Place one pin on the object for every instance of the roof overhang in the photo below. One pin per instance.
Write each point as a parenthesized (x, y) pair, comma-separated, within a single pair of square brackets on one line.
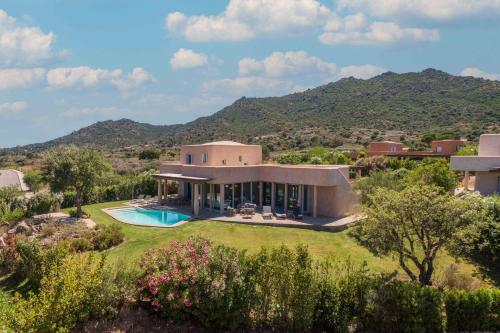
[(179, 176)]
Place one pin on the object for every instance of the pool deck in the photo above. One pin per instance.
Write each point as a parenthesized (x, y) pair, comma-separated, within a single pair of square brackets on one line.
[(319, 223)]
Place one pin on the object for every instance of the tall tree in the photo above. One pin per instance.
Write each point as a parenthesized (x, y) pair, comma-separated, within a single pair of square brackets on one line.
[(414, 224), (75, 168)]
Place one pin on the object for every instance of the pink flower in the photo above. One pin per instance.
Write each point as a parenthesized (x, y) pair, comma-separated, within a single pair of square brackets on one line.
[(187, 303), (156, 305)]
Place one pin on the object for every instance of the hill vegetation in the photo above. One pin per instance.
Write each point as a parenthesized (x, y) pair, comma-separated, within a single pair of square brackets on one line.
[(350, 111)]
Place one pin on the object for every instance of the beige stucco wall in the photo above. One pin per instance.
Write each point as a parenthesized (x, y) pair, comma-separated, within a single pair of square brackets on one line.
[(489, 145), (216, 154), (336, 201), (487, 182)]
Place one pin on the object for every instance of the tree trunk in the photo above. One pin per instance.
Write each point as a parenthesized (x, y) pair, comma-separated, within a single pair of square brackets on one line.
[(78, 200)]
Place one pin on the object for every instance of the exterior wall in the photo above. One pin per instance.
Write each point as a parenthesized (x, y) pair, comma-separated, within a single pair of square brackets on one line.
[(216, 154), (448, 147), (384, 147), (489, 145), (487, 182)]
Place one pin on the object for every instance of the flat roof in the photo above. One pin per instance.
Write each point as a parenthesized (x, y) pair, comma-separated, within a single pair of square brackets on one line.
[(179, 176), (221, 143)]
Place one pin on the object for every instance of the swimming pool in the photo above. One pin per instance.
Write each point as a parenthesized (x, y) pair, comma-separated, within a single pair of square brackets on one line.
[(149, 217)]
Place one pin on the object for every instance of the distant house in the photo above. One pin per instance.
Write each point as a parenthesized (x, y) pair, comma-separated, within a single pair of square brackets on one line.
[(10, 177), (439, 148), (486, 165), (218, 175)]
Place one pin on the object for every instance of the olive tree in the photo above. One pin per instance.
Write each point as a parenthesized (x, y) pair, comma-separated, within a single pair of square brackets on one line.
[(70, 167), (414, 224)]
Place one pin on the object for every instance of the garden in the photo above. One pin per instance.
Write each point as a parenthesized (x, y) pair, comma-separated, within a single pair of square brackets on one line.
[(423, 260)]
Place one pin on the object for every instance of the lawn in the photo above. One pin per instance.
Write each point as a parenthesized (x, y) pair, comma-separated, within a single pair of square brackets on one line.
[(321, 244)]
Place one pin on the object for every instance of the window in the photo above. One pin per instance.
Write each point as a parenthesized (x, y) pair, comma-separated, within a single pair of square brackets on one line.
[(189, 159), (204, 157), (439, 149)]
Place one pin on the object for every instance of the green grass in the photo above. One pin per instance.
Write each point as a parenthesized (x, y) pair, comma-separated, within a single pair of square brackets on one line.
[(321, 244)]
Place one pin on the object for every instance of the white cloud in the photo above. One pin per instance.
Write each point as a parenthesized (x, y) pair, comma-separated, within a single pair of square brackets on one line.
[(135, 79), (15, 107), (187, 59), (300, 65), (280, 64), (441, 10), (358, 32), (245, 19), (20, 78), (21, 45), (92, 111), (84, 76), (476, 72)]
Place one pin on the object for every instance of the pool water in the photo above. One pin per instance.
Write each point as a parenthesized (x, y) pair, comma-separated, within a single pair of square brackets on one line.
[(150, 217)]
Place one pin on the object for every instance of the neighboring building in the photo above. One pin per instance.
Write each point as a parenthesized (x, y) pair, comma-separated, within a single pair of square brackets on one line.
[(439, 148), (447, 147), (10, 177), (382, 148), (225, 174), (486, 165)]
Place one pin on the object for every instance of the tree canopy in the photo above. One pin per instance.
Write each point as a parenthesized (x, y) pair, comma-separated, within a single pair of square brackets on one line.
[(70, 167)]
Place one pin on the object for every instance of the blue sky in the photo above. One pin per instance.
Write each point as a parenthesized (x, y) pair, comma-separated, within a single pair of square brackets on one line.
[(67, 64)]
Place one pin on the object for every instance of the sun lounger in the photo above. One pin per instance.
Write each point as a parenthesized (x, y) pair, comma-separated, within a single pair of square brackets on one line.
[(266, 212), (280, 214)]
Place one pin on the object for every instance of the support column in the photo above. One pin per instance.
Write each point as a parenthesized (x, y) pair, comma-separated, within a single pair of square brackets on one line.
[(261, 193), (232, 197), (466, 180), (159, 191), (315, 201), (241, 193), (286, 198), (196, 194), (221, 186), (165, 190), (301, 198), (211, 189), (273, 195)]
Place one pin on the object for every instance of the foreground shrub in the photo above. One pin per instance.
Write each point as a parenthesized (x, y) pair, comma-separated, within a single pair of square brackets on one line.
[(70, 293), (43, 203), (35, 262), (343, 296), (285, 290), (403, 307), (473, 311), (195, 280), (73, 213)]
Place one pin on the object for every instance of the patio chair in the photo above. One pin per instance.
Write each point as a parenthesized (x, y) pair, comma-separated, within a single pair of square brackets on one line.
[(267, 213), (280, 214), (295, 214), (248, 212)]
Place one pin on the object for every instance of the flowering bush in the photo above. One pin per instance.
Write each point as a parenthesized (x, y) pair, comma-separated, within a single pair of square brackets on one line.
[(195, 280)]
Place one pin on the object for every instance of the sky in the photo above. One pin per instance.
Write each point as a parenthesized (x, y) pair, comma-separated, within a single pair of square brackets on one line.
[(65, 64)]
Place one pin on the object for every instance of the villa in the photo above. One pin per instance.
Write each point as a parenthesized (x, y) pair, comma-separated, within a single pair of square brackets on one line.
[(217, 176), (439, 148), (486, 165)]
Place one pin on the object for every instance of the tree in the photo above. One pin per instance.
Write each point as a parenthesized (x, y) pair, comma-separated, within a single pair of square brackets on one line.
[(414, 224), (468, 150), (34, 180), (74, 168), (434, 171), (389, 179), (149, 154)]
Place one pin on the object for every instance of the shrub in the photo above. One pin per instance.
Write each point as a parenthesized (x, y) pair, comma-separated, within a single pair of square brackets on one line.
[(434, 171), (78, 288), (472, 311), (72, 213), (108, 237), (194, 280), (34, 180), (82, 245), (290, 157), (403, 307), (69, 199), (343, 291), (149, 154), (285, 291), (44, 203), (35, 262)]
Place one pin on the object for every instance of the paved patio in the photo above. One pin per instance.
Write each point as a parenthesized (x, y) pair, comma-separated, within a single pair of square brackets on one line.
[(319, 223)]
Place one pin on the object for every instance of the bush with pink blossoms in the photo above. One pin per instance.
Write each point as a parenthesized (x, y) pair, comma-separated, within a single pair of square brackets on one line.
[(199, 281)]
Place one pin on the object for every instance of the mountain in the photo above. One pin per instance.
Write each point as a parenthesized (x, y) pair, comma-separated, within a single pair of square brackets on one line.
[(407, 104)]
